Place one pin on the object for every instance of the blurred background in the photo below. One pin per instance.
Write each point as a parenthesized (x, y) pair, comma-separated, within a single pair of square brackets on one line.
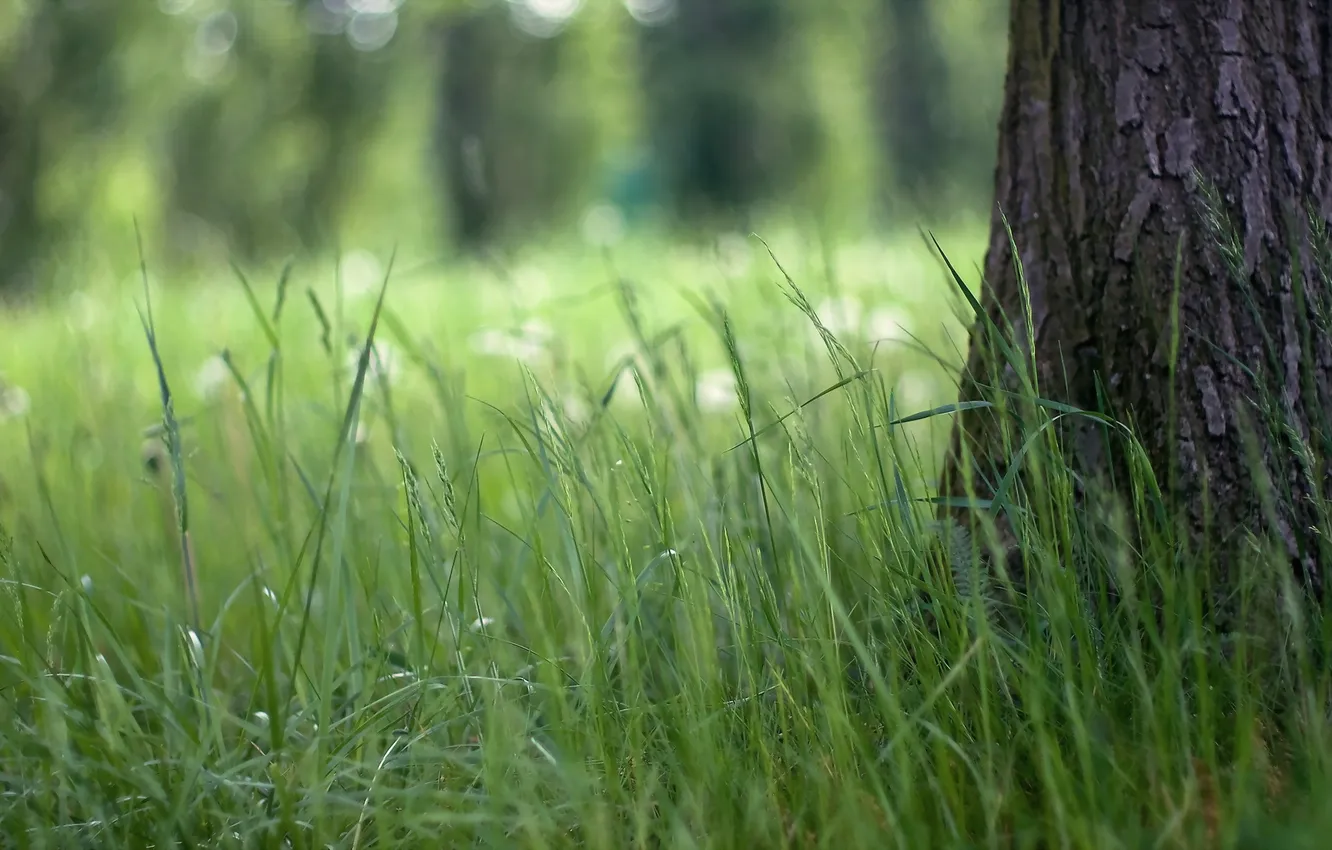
[(250, 130)]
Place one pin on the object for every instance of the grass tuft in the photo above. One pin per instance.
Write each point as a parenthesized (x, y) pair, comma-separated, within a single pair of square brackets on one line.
[(474, 602)]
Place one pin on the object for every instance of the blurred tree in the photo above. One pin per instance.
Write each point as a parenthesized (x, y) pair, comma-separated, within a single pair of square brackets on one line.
[(728, 111), (911, 92), (513, 140), (1166, 170), (60, 88), (345, 99), (263, 152)]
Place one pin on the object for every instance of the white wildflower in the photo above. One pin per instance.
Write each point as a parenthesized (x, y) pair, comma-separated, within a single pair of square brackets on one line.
[(735, 254), (527, 344), (490, 342), (886, 324), (537, 331), (385, 363), (915, 391), (716, 390), (841, 316), (83, 312), (576, 409), (531, 286), (602, 225), (361, 273), (14, 401), (211, 376)]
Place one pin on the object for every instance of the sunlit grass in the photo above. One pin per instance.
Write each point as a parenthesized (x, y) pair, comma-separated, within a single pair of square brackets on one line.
[(518, 574)]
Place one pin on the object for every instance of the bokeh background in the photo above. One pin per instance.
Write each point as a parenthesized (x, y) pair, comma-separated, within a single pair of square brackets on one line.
[(249, 131)]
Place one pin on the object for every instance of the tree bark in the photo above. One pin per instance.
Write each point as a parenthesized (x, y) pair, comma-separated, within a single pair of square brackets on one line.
[(1120, 118)]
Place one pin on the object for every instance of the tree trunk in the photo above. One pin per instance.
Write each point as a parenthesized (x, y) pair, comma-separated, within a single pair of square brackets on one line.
[(1120, 119), (462, 120)]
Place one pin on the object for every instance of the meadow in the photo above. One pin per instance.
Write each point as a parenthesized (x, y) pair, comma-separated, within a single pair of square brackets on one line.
[(590, 549)]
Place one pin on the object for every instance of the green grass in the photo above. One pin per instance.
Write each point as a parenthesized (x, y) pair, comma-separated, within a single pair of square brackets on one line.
[(471, 601)]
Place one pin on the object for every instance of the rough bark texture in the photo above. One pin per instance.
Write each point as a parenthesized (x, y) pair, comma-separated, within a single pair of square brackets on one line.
[(1112, 110)]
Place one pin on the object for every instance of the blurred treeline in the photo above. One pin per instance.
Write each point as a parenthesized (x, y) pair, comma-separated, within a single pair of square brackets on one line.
[(249, 129)]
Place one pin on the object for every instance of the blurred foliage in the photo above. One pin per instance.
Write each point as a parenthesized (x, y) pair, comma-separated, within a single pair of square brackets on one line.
[(514, 134), (731, 114), (252, 129)]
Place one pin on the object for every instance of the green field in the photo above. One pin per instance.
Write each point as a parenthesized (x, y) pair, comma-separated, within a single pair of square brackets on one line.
[(587, 550)]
